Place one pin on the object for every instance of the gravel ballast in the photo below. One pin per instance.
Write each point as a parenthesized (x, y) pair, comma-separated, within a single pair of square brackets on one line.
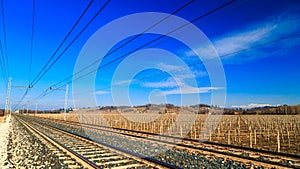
[(4, 137), (25, 150)]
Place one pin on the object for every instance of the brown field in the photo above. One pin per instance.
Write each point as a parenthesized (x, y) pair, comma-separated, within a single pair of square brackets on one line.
[(270, 132)]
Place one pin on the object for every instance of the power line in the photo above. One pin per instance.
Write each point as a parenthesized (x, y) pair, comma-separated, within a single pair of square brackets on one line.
[(63, 41), (154, 40), (160, 37), (4, 59), (124, 44), (42, 72), (297, 35), (31, 42), (66, 37), (2, 65), (127, 42), (37, 79)]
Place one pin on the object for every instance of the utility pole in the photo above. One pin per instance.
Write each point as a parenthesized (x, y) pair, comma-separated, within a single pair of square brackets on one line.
[(66, 99), (27, 108), (7, 101), (10, 106), (36, 106), (66, 102), (11, 86)]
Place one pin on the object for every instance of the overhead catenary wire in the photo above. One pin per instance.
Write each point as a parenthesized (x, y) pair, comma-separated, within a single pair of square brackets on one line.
[(148, 43), (132, 39), (4, 45), (2, 65), (42, 72), (30, 53), (70, 44), (31, 42), (127, 42), (296, 35), (140, 47), (34, 81)]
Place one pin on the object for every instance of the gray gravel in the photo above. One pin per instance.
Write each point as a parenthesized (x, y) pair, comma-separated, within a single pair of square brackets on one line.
[(178, 157), (26, 151)]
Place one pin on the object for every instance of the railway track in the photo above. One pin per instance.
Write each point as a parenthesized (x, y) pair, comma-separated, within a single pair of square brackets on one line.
[(82, 152), (242, 154)]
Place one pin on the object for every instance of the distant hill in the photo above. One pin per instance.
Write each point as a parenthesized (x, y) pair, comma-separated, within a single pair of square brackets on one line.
[(284, 109)]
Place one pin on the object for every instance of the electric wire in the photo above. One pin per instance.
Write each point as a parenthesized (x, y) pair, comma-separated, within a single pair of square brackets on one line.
[(31, 43), (61, 44), (42, 73), (127, 42), (4, 75), (160, 37), (148, 43), (4, 47), (297, 35), (71, 43)]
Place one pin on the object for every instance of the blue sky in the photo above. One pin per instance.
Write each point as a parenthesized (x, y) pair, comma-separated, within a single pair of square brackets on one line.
[(267, 75)]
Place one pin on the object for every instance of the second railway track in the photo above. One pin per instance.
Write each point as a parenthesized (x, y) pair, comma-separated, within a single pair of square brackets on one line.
[(244, 155)]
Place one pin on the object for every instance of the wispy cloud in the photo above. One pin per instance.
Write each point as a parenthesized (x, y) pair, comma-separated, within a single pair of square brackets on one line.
[(252, 35), (124, 82), (190, 90), (253, 105), (179, 76), (169, 83), (183, 71), (168, 68), (100, 92)]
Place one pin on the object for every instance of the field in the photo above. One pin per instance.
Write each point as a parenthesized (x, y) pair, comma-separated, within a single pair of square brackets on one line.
[(279, 133)]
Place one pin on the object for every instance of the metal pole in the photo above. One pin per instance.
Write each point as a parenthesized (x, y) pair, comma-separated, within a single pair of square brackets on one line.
[(10, 106), (36, 106), (66, 102), (8, 96), (27, 108)]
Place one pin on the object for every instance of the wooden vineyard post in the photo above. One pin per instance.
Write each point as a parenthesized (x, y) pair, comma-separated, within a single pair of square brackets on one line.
[(288, 135), (195, 133), (254, 137), (268, 136), (191, 132), (228, 139), (278, 141), (234, 135), (239, 129), (209, 135), (219, 133), (250, 137), (181, 135)]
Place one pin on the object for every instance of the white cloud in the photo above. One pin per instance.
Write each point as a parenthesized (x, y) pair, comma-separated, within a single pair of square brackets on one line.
[(179, 76), (169, 83), (253, 105), (190, 90), (183, 71), (124, 82), (168, 68), (99, 92), (252, 35)]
